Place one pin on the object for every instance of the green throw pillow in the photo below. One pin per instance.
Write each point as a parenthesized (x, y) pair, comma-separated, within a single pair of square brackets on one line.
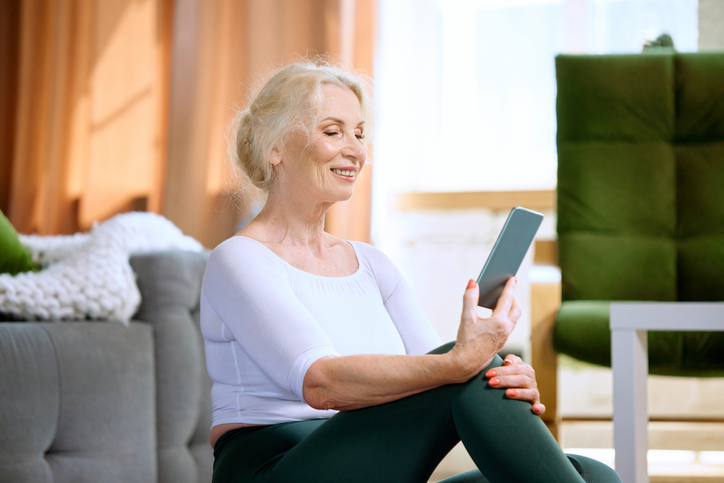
[(14, 256)]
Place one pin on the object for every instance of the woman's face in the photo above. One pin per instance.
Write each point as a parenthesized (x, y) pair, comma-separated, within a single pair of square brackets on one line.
[(325, 164)]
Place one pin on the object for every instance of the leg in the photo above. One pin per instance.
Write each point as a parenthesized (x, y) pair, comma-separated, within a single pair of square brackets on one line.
[(403, 441), (630, 363), (591, 470)]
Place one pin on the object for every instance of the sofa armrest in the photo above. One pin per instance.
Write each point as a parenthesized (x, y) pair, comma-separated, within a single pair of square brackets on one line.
[(170, 286)]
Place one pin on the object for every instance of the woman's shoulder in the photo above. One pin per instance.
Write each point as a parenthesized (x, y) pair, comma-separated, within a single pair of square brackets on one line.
[(373, 257), (243, 251)]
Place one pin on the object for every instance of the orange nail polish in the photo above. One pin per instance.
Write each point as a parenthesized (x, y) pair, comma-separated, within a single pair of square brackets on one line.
[(491, 374), (471, 283), (495, 381), (511, 393)]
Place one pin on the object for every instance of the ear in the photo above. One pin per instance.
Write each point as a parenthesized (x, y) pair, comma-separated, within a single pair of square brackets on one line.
[(275, 158)]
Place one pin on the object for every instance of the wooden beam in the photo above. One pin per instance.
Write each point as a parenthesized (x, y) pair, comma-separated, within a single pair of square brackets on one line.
[(494, 200)]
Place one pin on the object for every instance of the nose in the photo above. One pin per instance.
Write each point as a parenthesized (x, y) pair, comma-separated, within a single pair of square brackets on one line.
[(355, 148)]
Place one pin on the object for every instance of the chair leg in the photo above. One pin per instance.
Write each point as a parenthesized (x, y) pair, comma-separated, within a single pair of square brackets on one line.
[(545, 301)]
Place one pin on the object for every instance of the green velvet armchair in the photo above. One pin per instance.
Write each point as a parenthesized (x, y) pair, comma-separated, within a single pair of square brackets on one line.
[(640, 206)]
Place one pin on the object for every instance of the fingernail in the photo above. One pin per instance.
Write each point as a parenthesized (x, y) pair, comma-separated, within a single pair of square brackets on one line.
[(491, 374), (511, 393), (516, 279), (495, 381), (471, 283), (507, 362), (536, 409)]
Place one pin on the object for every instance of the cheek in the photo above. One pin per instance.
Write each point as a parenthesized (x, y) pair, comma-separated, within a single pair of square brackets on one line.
[(325, 153)]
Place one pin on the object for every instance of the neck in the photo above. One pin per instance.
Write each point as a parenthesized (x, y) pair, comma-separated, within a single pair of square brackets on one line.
[(293, 221)]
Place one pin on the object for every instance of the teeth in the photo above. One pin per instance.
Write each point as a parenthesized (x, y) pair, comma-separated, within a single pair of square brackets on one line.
[(343, 172)]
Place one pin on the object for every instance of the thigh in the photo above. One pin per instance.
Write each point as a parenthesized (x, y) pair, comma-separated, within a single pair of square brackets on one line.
[(402, 441), (247, 454), (396, 442)]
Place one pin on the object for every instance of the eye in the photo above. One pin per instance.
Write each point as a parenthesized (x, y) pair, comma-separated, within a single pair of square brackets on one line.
[(360, 136), (331, 133)]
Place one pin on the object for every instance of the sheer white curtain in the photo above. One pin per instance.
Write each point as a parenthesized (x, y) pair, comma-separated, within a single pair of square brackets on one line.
[(465, 89)]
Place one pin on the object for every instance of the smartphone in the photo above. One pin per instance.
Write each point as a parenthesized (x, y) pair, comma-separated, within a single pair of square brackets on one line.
[(507, 254)]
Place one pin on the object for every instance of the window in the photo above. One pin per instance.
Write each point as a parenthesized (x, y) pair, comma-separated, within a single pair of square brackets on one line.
[(465, 89)]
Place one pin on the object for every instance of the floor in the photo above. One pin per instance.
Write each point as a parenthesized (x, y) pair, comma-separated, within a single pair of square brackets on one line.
[(681, 452)]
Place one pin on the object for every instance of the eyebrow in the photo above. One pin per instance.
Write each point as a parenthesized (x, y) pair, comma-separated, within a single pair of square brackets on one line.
[(339, 121)]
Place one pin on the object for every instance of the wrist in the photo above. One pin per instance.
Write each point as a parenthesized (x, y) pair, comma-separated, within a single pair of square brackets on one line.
[(462, 366)]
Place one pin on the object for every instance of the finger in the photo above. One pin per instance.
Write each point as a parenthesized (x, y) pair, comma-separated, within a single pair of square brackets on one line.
[(512, 359), (521, 394), (515, 311), (470, 299), (527, 395), (520, 368), (505, 302), (513, 381)]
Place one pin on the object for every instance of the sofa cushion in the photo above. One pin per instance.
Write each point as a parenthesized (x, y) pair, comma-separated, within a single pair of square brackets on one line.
[(29, 402), (78, 398)]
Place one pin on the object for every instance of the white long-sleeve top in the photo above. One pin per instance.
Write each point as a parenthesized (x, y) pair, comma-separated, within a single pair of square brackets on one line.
[(265, 322)]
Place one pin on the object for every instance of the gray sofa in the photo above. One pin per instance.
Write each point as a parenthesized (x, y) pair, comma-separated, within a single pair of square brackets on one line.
[(102, 402)]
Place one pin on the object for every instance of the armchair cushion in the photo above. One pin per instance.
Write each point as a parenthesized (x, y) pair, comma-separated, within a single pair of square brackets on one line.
[(581, 331), (640, 198)]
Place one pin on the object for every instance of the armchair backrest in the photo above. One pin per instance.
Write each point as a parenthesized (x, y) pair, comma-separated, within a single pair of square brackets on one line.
[(641, 176)]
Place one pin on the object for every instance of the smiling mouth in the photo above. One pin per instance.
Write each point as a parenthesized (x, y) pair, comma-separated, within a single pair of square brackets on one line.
[(344, 172)]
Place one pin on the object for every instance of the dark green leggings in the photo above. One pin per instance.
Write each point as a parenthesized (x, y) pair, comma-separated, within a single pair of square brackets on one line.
[(403, 442)]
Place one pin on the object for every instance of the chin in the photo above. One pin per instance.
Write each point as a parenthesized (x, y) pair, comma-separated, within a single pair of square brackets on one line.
[(340, 196)]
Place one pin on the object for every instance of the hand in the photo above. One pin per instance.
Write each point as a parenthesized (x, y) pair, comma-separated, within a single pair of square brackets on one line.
[(480, 339), (519, 378)]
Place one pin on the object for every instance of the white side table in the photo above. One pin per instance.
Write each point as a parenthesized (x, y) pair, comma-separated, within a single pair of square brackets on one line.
[(630, 323)]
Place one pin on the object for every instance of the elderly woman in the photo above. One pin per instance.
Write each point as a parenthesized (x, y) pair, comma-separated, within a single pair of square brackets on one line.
[(325, 368)]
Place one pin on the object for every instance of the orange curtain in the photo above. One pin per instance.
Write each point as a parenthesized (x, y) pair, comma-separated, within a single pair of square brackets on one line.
[(87, 127), (108, 106), (223, 46)]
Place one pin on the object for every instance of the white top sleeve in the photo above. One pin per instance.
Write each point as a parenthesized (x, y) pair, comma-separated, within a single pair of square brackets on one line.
[(265, 322), (410, 320)]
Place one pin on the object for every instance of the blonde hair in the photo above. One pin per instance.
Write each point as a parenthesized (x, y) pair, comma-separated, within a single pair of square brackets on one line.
[(291, 98)]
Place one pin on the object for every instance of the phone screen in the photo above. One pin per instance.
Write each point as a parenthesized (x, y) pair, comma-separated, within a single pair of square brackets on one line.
[(507, 254)]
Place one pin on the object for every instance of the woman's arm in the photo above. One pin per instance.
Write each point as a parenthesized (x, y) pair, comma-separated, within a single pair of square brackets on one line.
[(353, 382)]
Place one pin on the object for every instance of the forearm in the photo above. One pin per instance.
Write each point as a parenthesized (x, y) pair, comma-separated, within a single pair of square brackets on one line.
[(353, 382)]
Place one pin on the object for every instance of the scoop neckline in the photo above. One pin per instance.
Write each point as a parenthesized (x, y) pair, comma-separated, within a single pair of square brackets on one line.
[(354, 248)]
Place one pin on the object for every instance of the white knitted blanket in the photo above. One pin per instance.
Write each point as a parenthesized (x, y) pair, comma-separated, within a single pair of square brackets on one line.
[(88, 275)]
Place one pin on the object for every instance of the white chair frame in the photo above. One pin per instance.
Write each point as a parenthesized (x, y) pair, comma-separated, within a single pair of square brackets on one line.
[(630, 323)]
